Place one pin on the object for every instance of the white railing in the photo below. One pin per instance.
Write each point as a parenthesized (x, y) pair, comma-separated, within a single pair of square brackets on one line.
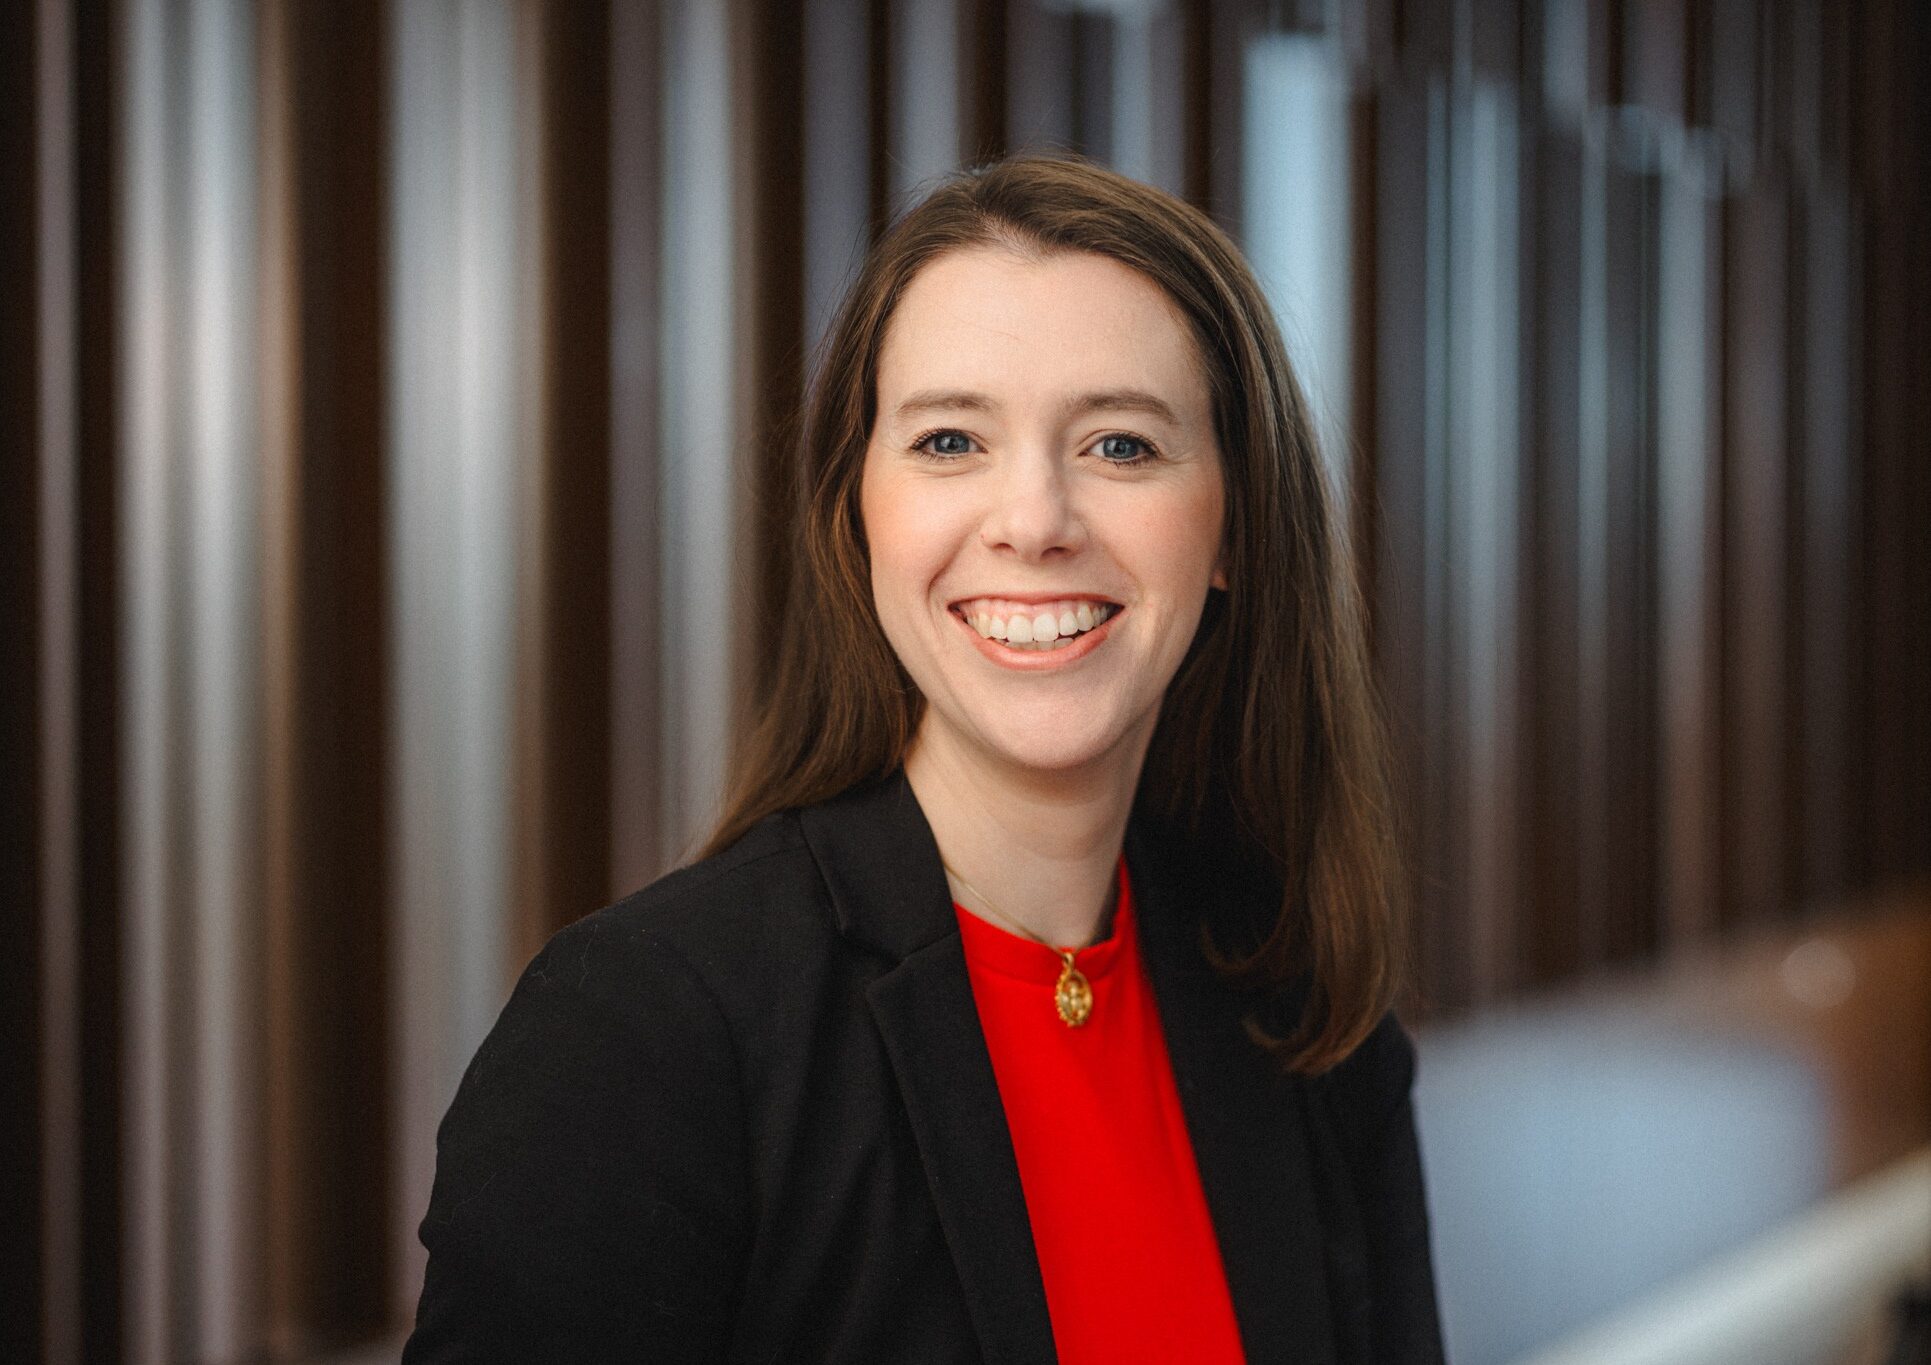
[(1812, 1292)]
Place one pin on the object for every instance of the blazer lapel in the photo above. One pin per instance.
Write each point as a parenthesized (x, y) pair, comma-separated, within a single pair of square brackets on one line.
[(888, 890), (1244, 1117)]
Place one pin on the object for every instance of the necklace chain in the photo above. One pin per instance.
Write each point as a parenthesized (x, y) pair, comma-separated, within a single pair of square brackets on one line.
[(1072, 994), (995, 909)]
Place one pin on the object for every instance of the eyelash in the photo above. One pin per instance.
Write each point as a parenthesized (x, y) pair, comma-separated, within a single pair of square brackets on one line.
[(1152, 451)]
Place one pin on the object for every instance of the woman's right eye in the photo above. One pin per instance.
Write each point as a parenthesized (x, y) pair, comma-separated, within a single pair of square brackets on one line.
[(935, 445)]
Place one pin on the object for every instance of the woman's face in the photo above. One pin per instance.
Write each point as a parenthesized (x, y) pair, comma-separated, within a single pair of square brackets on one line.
[(1042, 467)]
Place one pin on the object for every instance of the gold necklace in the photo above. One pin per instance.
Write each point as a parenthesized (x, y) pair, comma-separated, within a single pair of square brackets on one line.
[(1073, 993)]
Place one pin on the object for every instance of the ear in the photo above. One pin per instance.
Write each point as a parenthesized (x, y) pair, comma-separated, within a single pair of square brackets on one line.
[(1219, 580)]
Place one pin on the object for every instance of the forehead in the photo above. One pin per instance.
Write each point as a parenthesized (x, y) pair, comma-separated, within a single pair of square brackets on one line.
[(1020, 327)]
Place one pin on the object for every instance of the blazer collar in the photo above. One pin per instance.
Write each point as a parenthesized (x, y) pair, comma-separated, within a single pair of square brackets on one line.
[(888, 891)]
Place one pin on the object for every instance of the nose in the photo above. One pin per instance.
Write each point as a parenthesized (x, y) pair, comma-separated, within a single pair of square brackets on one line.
[(1032, 512)]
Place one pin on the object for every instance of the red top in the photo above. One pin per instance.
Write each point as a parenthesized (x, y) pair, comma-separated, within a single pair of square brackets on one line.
[(1125, 1244)]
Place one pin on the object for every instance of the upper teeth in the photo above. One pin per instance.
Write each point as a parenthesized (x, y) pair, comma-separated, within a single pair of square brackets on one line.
[(1023, 623)]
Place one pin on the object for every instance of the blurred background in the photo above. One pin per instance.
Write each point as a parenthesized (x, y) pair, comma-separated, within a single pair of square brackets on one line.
[(389, 392)]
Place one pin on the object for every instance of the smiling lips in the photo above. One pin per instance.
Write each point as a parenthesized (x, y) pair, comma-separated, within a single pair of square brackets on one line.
[(1034, 627)]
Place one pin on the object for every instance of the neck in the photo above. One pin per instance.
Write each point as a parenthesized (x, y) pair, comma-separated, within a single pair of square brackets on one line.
[(1044, 848)]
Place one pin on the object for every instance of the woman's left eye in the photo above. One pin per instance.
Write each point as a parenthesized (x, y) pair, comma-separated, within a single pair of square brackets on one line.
[(924, 445), (1120, 448)]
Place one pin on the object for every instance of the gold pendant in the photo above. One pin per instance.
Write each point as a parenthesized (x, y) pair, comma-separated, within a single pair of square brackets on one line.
[(1073, 994)]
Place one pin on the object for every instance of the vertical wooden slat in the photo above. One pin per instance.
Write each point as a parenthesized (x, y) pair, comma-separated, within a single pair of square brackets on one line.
[(284, 1267), (928, 126), (880, 34), (1756, 542), (98, 108), (1363, 509), (1197, 84), (778, 308), (1482, 454), (461, 525), (1824, 321), (1655, 57), (1689, 493), (838, 138), (1091, 69), (708, 319), (637, 847), (1402, 453), (1620, 868), (1894, 138), (574, 631), (1491, 38), (1425, 35), (1042, 77), (1553, 945), (57, 541), (326, 613), (149, 907), (1732, 58), (1233, 25), (23, 1328), (982, 77)]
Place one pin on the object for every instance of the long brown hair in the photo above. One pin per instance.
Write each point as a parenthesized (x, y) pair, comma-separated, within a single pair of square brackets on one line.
[(1270, 726)]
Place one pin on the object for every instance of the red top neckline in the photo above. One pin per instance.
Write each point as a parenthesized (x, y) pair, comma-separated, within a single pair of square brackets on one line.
[(1127, 1249), (1011, 954)]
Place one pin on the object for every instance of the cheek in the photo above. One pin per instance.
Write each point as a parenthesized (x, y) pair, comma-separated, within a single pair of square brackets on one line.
[(1181, 538), (905, 532)]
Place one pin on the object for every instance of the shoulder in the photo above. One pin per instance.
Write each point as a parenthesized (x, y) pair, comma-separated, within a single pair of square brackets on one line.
[(711, 922), (596, 1140), (638, 994)]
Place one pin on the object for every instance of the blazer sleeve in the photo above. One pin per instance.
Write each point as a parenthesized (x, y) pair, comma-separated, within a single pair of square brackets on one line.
[(590, 1198), (1372, 1102)]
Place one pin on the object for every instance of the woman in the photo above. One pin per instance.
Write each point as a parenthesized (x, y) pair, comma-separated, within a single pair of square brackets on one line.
[(1031, 1000)]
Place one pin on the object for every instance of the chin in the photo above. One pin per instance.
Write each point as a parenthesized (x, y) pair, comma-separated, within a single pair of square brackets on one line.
[(1064, 752)]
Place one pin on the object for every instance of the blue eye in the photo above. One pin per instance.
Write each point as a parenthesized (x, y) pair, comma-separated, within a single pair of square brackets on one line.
[(1113, 454), (925, 445)]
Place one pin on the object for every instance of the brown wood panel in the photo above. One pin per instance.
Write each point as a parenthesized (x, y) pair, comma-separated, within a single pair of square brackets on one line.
[(1494, 35), (1689, 542), (1364, 322), (1655, 56), (982, 77), (1552, 944), (571, 876), (1620, 886), (1197, 95), (1895, 138), (1732, 61), (1824, 318), (878, 68), (1756, 601), (777, 303), (1091, 84), (22, 1146), (343, 59), (1234, 25), (1424, 36), (1403, 598), (1369, 30), (1040, 97), (637, 853), (328, 1168), (97, 57)]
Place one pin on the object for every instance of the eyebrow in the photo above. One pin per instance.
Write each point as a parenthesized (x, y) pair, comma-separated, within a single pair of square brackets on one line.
[(1100, 400)]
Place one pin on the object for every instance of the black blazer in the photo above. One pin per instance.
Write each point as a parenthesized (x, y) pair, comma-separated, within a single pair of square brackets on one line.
[(748, 1114)]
